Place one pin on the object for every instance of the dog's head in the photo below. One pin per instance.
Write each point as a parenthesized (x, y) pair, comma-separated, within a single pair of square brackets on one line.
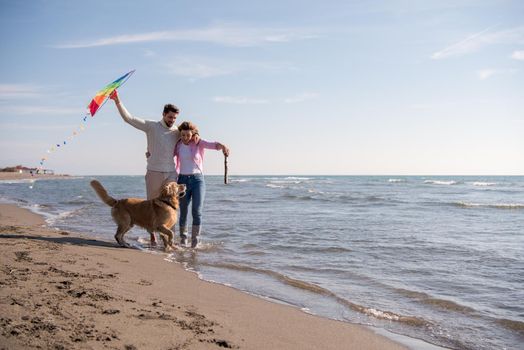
[(172, 189)]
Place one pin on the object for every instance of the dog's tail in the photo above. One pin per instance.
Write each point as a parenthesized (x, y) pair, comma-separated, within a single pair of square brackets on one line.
[(102, 193)]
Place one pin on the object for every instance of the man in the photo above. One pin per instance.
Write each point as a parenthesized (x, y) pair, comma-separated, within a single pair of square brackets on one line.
[(162, 137)]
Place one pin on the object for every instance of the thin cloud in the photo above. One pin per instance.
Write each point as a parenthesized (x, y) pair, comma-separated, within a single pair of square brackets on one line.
[(248, 100), (199, 69), (194, 67), (301, 97), (420, 107), (32, 91), (479, 40), (33, 127), (13, 91), (40, 110), (484, 74), (226, 35), (149, 53), (518, 55), (239, 100)]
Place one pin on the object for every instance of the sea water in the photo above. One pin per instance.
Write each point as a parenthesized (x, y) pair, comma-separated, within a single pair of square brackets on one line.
[(437, 258)]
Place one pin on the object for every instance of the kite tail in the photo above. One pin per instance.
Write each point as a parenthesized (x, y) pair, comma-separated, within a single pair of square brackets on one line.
[(102, 193)]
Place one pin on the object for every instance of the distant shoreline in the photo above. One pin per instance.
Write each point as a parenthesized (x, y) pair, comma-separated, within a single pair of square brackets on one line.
[(19, 176), (5, 175)]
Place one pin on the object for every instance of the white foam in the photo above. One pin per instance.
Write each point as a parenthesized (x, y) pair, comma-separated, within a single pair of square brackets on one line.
[(480, 183), (466, 204), (39, 209), (396, 180), (52, 219), (239, 180), (19, 181), (142, 240), (382, 315), (274, 186), (508, 206), (441, 182), (491, 205), (285, 182), (6, 200)]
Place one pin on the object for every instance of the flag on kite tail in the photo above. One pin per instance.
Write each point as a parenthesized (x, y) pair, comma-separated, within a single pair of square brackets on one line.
[(94, 106)]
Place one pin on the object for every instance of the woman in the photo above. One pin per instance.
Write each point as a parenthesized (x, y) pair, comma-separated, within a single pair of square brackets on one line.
[(189, 159)]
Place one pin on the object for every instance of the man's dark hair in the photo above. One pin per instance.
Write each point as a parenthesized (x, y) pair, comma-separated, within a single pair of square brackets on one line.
[(171, 108)]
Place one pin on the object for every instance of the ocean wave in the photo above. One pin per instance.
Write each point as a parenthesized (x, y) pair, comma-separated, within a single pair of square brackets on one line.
[(9, 200), (143, 240), (52, 219), (512, 324), (77, 201), (512, 206), (390, 316), (374, 199), (331, 250), (274, 186), (255, 253), (441, 182), (338, 198), (40, 209), (435, 302), (396, 180), (239, 180), (314, 288), (483, 184), (322, 250), (286, 182), (302, 197), (288, 178), (227, 200), (309, 194), (324, 270), (204, 246), (324, 197), (19, 181)]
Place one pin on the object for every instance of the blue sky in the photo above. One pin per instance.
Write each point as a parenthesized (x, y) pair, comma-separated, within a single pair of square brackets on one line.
[(293, 87)]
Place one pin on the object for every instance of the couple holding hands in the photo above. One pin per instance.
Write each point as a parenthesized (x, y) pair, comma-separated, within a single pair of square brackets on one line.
[(174, 154)]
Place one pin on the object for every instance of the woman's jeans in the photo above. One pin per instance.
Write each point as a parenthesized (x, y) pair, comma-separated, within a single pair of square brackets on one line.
[(195, 193)]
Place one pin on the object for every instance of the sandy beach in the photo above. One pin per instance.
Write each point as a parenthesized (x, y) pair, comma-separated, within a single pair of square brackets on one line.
[(65, 291)]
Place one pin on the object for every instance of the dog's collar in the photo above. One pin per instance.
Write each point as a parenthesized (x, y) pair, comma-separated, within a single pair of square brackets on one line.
[(168, 202)]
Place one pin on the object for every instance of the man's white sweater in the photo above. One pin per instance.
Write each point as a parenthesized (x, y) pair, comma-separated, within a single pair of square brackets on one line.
[(161, 140)]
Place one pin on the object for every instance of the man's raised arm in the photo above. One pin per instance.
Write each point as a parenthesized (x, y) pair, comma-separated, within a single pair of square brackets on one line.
[(128, 118)]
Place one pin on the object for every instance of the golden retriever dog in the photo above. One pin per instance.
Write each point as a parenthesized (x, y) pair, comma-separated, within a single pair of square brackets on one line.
[(155, 215)]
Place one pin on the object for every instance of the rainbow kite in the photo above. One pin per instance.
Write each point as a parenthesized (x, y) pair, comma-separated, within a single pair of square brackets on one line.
[(102, 95), (95, 104)]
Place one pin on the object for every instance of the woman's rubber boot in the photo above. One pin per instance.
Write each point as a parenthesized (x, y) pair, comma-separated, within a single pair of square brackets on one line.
[(183, 236), (195, 236)]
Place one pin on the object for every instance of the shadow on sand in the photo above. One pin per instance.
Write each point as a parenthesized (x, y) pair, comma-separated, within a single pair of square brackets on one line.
[(65, 240)]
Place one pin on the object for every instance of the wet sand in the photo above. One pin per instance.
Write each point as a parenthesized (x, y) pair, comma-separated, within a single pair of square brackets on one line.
[(60, 290)]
